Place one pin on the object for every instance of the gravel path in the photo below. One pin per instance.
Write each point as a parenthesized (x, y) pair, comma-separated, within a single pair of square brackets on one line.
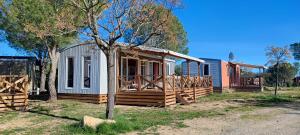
[(279, 120)]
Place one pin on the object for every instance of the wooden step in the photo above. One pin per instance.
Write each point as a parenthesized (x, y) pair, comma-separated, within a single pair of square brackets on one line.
[(184, 98)]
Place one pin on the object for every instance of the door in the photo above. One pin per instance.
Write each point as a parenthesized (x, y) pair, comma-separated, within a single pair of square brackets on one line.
[(132, 69)]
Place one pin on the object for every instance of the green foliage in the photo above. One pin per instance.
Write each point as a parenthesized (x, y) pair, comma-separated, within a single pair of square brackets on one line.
[(32, 24), (286, 73), (297, 67), (178, 69), (64, 117), (231, 56), (295, 49), (141, 120), (277, 55), (172, 37)]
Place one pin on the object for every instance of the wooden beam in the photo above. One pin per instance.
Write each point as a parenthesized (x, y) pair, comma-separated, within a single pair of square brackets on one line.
[(164, 74), (199, 69), (139, 75), (188, 69)]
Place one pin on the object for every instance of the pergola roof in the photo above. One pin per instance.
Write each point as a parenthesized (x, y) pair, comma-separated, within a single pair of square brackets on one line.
[(169, 52), (149, 50), (248, 65)]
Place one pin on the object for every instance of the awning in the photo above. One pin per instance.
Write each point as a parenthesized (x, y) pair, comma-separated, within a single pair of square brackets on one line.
[(248, 65), (169, 52)]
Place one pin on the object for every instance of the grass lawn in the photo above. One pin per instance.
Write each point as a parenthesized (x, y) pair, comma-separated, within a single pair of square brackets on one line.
[(64, 117)]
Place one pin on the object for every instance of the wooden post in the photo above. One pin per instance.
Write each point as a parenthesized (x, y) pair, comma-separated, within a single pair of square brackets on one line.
[(26, 81), (164, 73), (188, 71), (181, 77), (194, 89), (199, 72), (139, 75), (261, 86), (174, 83)]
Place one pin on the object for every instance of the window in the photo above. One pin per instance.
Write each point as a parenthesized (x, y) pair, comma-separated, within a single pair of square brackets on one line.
[(70, 72), (206, 69), (86, 72)]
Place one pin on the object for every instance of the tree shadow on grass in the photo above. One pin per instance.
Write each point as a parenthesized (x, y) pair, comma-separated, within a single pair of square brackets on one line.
[(47, 113), (272, 101)]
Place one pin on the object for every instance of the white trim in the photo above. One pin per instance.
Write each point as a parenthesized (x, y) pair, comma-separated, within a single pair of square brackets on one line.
[(67, 72)]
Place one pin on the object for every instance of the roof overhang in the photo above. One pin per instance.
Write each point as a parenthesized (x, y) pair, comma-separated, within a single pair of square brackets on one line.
[(169, 53), (147, 49), (249, 65)]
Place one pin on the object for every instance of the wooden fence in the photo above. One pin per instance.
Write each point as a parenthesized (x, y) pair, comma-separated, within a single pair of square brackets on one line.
[(13, 92)]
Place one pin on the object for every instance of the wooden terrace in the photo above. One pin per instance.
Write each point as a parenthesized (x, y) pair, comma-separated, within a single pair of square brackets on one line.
[(246, 82), (144, 85)]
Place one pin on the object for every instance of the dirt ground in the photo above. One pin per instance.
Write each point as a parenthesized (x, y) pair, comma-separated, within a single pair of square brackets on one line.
[(283, 119)]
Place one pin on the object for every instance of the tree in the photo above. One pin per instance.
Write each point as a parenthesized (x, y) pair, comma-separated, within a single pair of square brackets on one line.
[(231, 56), (24, 41), (178, 70), (286, 74), (48, 20), (297, 67), (276, 56), (108, 21), (295, 49), (172, 38)]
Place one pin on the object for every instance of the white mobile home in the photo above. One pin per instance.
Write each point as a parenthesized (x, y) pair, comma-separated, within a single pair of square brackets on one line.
[(142, 75)]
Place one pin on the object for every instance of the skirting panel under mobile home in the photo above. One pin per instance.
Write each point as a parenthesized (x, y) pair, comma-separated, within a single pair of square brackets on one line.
[(146, 98), (87, 98)]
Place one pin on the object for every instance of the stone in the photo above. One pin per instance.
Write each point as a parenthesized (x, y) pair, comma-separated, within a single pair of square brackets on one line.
[(94, 122)]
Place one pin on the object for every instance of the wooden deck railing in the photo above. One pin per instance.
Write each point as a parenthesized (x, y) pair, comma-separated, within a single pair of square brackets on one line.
[(156, 83), (13, 91), (248, 82)]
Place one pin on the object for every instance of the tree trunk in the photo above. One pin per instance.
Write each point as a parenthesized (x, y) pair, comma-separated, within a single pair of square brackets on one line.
[(277, 78), (43, 75), (111, 84), (54, 56)]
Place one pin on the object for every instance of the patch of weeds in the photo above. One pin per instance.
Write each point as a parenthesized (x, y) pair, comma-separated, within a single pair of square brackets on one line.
[(12, 131), (77, 128), (8, 116), (255, 117), (40, 118), (40, 109), (180, 125), (35, 131), (275, 99), (244, 108)]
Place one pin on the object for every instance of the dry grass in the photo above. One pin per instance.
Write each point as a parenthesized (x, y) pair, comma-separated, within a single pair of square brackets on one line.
[(64, 117)]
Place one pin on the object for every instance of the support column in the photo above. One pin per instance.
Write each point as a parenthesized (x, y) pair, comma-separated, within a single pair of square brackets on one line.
[(188, 73), (188, 68), (164, 73), (139, 74), (199, 71)]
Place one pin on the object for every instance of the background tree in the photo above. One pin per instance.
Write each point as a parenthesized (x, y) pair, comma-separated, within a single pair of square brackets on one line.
[(173, 37), (245, 71), (178, 70), (48, 20), (276, 56), (231, 56), (295, 49), (297, 67), (286, 74), (108, 21), (24, 41)]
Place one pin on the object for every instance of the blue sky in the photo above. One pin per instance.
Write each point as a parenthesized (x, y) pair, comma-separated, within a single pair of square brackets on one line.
[(245, 27)]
